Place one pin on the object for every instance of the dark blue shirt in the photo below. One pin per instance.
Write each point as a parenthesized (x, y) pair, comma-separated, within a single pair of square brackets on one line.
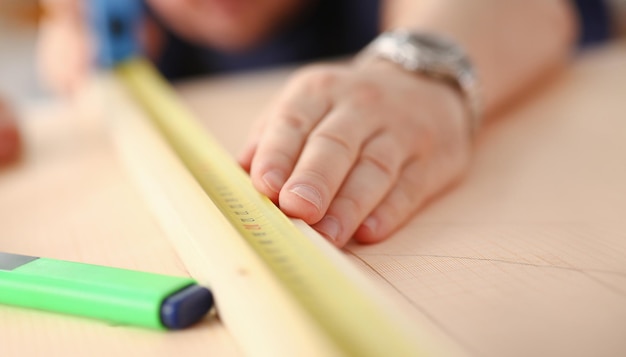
[(594, 21)]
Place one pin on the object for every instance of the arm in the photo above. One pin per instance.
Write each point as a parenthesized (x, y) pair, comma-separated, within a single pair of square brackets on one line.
[(512, 43), (356, 149)]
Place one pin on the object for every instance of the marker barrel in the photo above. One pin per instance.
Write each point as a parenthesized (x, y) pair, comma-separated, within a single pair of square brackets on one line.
[(116, 295)]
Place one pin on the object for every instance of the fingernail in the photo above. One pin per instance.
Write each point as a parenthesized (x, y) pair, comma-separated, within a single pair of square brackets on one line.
[(308, 193), (274, 179), (328, 226)]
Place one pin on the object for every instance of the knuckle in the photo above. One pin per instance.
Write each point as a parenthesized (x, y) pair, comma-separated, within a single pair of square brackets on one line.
[(366, 93), (346, 146), (318, 77), (352, 206), (386, 166), (386, 153), (323, 80), (291, 118)]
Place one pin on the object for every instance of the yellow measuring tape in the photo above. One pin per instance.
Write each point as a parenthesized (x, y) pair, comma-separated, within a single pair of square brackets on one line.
[(354, 322)]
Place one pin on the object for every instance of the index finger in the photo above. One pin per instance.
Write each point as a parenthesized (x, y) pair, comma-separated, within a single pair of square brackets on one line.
[(286, 128)]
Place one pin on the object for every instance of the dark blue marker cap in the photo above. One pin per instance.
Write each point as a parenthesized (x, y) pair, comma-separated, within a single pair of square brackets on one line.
[(186, 307)]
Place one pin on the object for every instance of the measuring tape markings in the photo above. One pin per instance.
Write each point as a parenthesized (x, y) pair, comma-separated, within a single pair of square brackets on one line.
[(356, 323)]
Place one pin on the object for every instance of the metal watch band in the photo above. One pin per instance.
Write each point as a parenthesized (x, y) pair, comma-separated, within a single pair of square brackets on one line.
[(432, 55)]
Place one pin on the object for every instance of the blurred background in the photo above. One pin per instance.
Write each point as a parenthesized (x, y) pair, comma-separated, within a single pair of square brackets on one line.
[(18, 33)]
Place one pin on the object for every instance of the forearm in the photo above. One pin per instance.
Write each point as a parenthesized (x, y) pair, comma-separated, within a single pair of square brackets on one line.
[(512, 43)]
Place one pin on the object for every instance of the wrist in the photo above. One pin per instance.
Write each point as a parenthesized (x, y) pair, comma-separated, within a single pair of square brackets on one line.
[(432, 56), (434, 91)]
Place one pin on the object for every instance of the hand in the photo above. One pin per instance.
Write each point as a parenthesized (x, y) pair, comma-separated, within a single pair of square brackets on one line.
[(64, 49), (356, 150)]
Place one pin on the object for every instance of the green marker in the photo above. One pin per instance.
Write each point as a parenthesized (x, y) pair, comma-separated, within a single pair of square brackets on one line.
[(117, 295)]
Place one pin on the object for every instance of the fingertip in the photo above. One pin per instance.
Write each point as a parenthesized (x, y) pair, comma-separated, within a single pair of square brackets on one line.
[(274, 180), (330, 228), (369, 231), (245, 159), (268, 177), (270, 183), (302, 201), (260, 186)]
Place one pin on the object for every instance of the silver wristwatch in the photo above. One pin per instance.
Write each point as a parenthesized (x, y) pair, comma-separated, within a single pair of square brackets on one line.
[(432, 55)]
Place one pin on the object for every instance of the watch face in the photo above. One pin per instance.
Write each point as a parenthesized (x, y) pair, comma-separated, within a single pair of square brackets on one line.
[(428, 53), (430, 42), (437, 47), (436, 55)]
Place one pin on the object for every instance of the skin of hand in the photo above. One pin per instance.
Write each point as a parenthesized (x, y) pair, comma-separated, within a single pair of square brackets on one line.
[(64, 49), (355, 150)]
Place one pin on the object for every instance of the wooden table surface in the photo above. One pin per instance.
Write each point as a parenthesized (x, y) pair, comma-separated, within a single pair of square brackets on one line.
[(526, 256)]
